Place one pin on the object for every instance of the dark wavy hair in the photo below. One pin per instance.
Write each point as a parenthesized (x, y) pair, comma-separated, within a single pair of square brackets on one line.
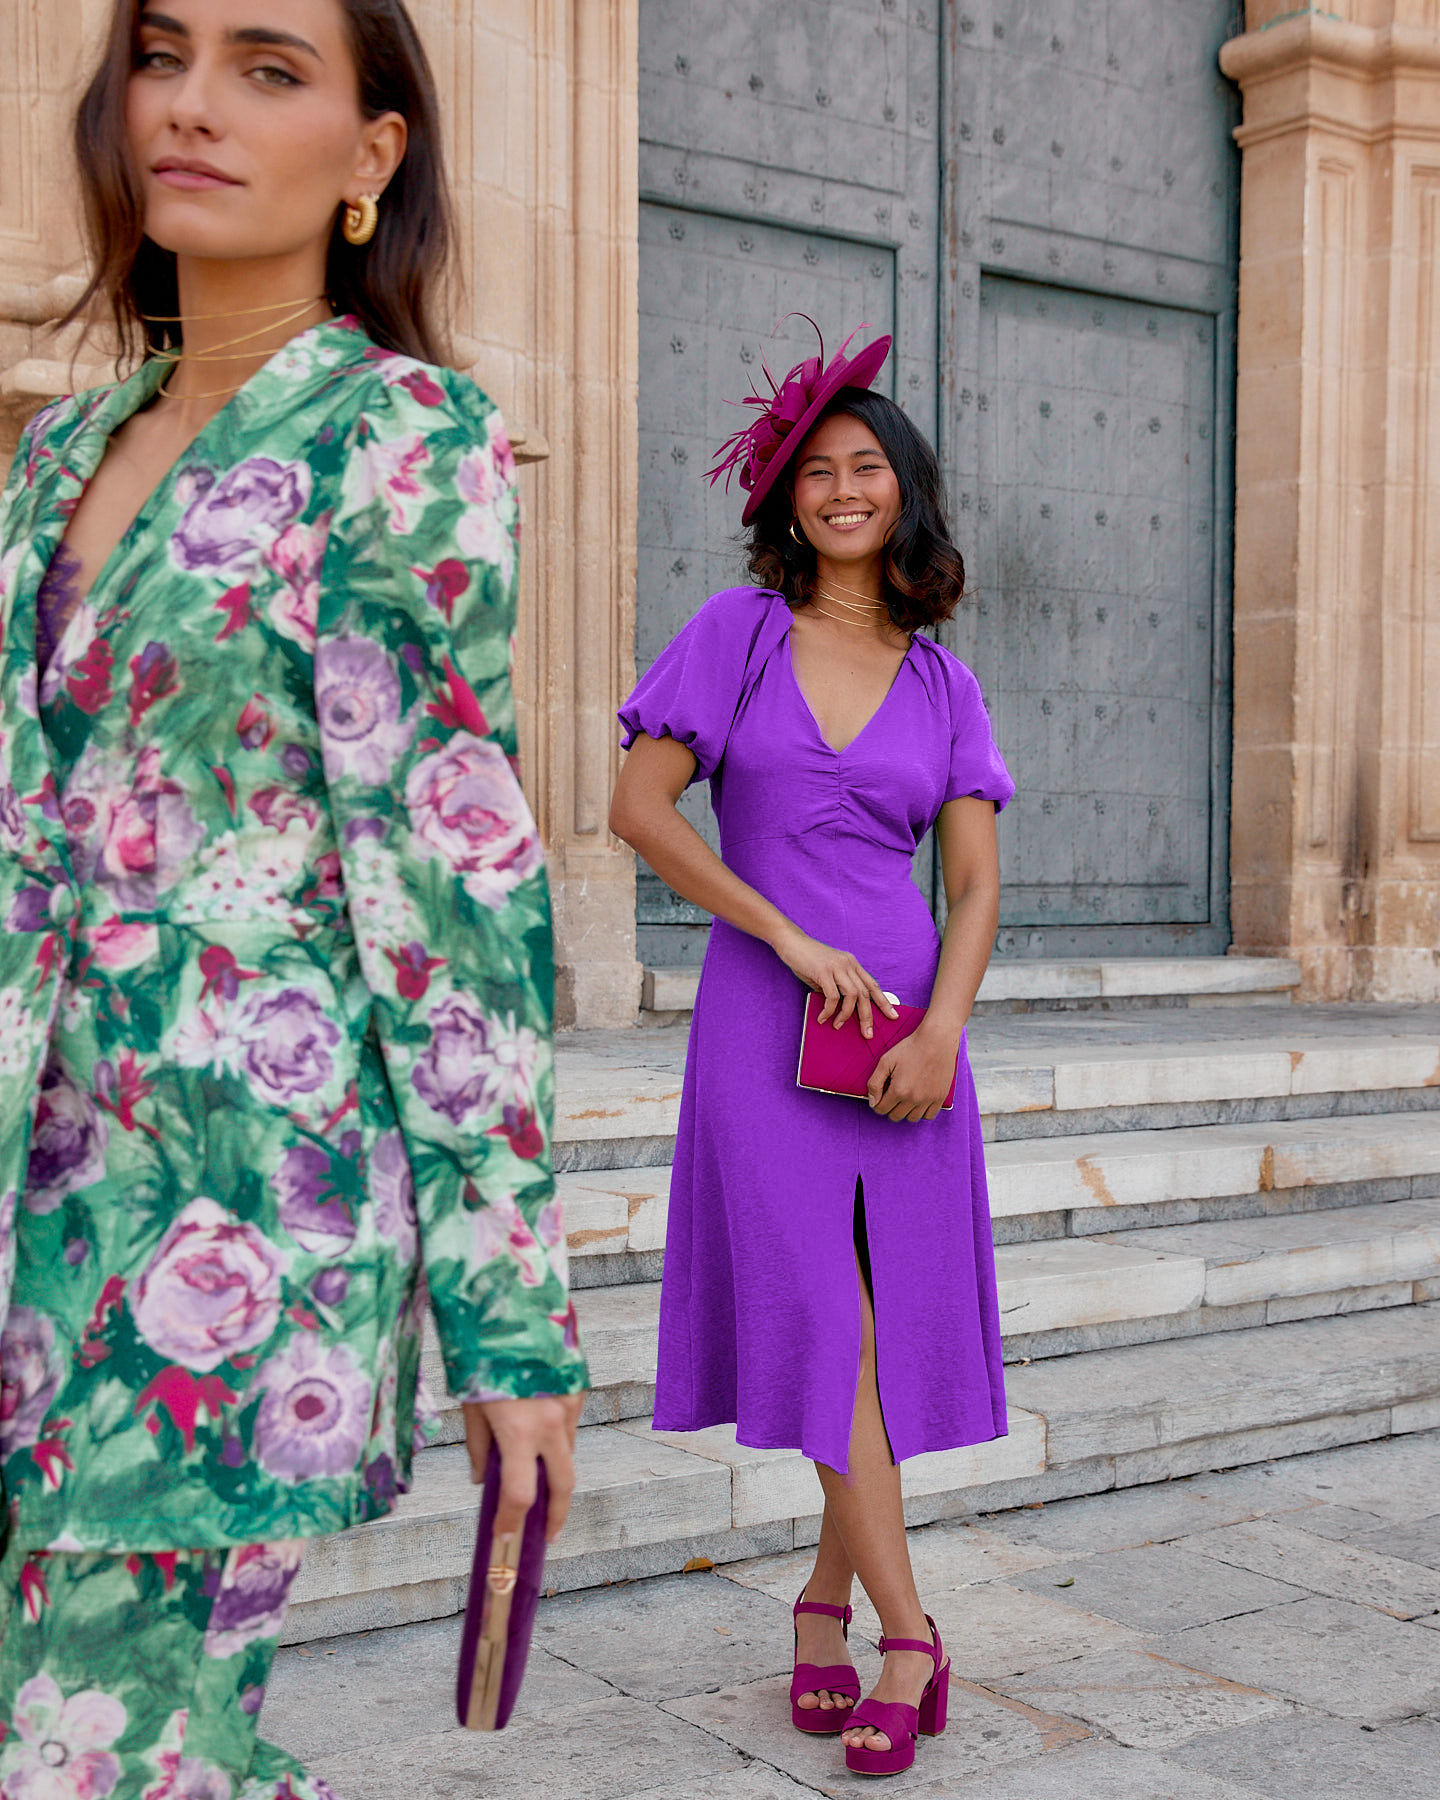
[(924, 575), (391, 284)]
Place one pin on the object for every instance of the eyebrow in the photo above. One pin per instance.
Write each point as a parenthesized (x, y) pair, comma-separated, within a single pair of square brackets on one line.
[(266, 36)]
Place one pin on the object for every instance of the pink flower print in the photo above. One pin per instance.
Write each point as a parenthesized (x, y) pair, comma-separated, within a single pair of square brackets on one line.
[(390, 468), (277, 808), (128, 826), (287, 1040), (500, 1231), (357, 701), (59, 1749), (254, 1593), (70, 652), (255, 727), (119, 944), (68, 1143), (210, 1291), (466, 807), (444, 584), (482, 531), (418, 381), (154, 676), (31, 1370), (314, 1414), (296, 556), (229, 523)]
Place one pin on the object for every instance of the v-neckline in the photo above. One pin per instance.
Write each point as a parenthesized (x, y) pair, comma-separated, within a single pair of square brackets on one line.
[(810, 710), (119, 406)]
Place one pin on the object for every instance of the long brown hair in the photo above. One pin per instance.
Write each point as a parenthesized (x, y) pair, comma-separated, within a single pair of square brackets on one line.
[(390, 284), (924, 576)]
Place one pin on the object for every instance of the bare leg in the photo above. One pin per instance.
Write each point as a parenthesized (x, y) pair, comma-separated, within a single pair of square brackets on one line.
[(821, 1640), (869, 1521)]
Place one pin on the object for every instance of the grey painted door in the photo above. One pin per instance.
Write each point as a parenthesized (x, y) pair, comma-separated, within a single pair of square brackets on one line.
[(789, 163), (1087, 374), (1076, 265)]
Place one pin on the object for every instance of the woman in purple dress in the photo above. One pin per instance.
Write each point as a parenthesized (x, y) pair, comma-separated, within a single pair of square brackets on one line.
[(829, 1273)]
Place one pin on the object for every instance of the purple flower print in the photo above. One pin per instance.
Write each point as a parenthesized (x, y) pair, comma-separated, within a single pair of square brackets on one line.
[(453, 1075), (59, 1748), (380, 1480), (210, 1291), (311, 1210), (12, 818), (30, 1374), (254, 1592), (331, 1286), (466, 807), (67, 1146), (392, 1188), (314, 1415), (357, 700), (230, 523), (30, 909), (287, 1042)]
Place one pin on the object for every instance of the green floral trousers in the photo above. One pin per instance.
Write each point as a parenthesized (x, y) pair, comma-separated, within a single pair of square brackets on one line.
[(140, 1677)]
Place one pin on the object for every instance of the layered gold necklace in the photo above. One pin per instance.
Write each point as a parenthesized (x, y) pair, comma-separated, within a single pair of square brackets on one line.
[(866, 615), (220, 352)]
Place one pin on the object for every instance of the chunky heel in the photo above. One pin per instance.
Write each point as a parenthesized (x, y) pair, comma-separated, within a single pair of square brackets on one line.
[(933, 1703), (809, 1678), (902, 1724)]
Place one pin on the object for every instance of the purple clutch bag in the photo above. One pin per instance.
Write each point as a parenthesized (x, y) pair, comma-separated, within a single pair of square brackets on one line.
[(842, 1062), (505, 1581)]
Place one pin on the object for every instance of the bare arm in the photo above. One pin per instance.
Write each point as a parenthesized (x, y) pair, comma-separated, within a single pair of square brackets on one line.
[(911, 1082), (643, 813)]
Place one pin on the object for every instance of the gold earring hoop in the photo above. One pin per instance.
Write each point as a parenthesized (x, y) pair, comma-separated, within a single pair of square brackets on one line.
[(798, 536), (361, 218)]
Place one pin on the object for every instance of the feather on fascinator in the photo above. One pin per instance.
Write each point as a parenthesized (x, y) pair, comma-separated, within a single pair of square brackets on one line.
[(758, 452)]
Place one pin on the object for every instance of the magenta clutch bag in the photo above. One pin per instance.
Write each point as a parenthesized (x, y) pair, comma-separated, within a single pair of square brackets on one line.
[(842, 1062), (505, 1581)]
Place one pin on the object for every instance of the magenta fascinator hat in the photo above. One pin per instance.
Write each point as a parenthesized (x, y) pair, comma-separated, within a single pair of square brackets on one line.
[(760, 451)]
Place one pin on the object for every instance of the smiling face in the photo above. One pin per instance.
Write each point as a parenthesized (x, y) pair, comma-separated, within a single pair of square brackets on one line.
[(846, 495), (245, 127)]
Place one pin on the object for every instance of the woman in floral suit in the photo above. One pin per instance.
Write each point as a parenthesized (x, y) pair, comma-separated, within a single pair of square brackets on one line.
[(275, 971)]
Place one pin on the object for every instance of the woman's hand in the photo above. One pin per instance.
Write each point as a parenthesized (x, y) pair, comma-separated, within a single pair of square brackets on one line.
[(542, 1427), (911, 1081), (847, 987)]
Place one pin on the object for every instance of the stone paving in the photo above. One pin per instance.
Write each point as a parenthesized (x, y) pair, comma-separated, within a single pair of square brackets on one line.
[(1270, 1631)]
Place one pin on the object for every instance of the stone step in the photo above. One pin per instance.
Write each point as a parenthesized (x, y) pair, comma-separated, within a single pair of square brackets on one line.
[(1016, 984), (649, 1504), (1061, 1295), (1075, 1186), (618, 1093)]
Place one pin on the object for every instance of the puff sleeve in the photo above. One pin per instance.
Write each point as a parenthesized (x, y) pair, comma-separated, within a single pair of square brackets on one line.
[(692, 690), (443, 870), (977, 769)]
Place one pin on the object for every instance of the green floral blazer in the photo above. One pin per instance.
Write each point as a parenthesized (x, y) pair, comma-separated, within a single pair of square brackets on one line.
[(275, 969)]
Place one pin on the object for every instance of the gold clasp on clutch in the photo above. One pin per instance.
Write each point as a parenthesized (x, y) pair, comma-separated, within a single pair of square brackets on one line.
[(501, 1579)]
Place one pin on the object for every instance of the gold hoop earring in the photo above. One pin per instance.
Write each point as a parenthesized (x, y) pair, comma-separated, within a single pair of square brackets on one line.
[(797, 536), (361, 218)]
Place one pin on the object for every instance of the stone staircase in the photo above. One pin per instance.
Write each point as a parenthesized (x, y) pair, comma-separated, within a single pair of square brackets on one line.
[(1218, 1240)]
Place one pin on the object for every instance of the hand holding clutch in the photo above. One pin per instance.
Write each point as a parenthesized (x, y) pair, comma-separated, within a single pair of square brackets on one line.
[(505, 1581), (841, 1061)]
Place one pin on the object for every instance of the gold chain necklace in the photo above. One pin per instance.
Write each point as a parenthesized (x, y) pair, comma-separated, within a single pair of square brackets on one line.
[(856, 592), (859, 624), (239, 312), (873, 611), (216, 355)]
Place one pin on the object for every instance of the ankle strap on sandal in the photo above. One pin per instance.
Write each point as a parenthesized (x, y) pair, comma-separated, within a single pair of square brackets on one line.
[(843, 1613), (931, 1649)]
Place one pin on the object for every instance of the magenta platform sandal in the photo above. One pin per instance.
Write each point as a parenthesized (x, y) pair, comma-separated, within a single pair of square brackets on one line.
[(809, 1678), (902, 1724)]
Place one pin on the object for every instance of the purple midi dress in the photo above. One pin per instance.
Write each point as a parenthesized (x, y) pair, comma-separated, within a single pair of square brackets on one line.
[(760, 1304)]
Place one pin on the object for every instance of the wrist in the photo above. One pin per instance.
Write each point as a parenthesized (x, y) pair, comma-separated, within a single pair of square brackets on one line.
[(940, 1033)]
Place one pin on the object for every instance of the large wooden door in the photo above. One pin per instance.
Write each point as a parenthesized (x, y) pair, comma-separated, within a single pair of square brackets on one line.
[(789, 163)]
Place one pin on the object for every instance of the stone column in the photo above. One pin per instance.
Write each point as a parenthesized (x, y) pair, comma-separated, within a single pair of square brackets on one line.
[(541, 103), (1336, 800)]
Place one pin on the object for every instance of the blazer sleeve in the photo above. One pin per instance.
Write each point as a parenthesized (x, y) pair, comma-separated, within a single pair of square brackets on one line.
[(692, 689), (443, 869), (977, 769)]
